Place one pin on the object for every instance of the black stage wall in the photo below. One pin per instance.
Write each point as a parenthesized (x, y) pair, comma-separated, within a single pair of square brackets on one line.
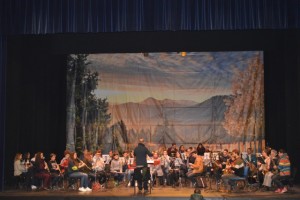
[(36, 90)]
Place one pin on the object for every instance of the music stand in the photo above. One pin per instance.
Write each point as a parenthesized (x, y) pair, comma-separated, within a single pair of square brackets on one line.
[(209, 174)]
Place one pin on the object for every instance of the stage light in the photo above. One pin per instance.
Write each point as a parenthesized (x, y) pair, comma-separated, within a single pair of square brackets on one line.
[(183, 53)]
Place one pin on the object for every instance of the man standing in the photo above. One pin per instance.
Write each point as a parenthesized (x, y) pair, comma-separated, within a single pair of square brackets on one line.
[(142, 173)]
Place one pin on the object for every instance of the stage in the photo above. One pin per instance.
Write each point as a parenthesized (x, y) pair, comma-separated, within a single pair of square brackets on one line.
[(158, 193)]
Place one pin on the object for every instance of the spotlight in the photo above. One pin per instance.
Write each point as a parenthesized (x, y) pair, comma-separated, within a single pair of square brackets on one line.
[(183, 53)]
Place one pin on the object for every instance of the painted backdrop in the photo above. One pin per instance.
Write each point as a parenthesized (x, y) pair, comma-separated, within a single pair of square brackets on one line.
[(214, 98)]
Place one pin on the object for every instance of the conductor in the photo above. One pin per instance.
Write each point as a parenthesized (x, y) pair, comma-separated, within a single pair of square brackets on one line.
[(142, 173)]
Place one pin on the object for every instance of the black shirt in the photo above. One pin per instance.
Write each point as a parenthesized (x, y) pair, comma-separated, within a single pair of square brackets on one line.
[(141, 152)]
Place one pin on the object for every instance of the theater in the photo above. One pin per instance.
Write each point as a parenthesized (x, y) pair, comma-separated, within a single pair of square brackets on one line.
[(189, 77)]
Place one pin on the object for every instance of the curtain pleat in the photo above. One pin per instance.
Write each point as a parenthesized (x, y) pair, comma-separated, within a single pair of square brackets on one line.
[(76, 16), (2, 105)]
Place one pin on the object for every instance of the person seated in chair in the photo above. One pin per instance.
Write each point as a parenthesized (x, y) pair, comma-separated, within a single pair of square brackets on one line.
[(41, 170), (234, 169), (178, 169), (272, 170), (56, 175), (284, 166), (74, 172), (251, 157), (196, 168), (165, 161), (156, 170), (116, 169), (98, 167), (172, 150), (19, 169)]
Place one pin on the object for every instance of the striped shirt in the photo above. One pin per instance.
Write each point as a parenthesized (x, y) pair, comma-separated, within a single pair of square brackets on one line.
[(284, 165)]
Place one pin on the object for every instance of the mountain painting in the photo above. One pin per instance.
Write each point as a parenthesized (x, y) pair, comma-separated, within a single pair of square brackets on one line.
[(214, 98)]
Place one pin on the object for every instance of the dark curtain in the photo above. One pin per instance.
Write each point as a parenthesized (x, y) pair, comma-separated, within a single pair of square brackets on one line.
[(3, 44), (81, 16), (35, 99)]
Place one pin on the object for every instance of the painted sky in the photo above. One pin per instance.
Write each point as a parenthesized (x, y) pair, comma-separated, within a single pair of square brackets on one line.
[(132, 77)]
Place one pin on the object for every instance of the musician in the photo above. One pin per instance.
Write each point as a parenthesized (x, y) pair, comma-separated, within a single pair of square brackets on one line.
[(200, 149), (124, 161), (165, 165), (98, 167), (32, 160), (65, 161), (224, 158), (29, 171), (73, 171), (84, 154), (284, 166), (41, 170), (172, 150), (196, 168), (178, 169), (130, 170), (263, 164), (272, 170), (88, 161), (181, 149), (98, 162), (116, 169), (190, 158), (156, 169), (251, 157), (19, 169), (55, 172), (110, 157), (234, 168), (140, 153), (26, 160), (251, 163)]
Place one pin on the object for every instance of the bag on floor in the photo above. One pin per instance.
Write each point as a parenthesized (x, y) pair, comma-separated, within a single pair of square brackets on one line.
[(96, 186)]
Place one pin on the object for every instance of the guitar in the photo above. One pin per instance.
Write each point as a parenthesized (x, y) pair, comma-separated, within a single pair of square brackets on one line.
[(251, 165), (274, 171)]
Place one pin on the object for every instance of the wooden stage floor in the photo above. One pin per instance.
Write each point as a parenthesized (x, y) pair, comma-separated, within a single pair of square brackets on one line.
[(158, 193)]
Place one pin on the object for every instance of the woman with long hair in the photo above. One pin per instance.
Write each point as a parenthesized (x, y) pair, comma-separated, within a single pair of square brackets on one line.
[(200, 149), (73, 172), (41, 170)]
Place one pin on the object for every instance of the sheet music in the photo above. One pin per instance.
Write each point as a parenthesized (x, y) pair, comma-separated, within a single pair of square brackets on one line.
[(130, 161)]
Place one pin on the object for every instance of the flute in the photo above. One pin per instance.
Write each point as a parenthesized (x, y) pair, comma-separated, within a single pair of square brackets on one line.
[(83, 164)]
